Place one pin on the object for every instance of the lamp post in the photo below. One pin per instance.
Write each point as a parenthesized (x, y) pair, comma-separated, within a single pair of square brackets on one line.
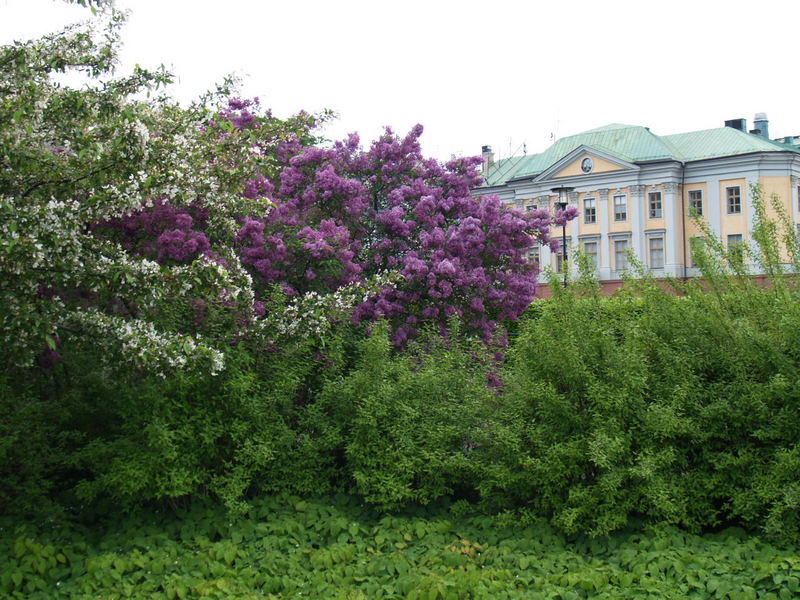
[(563, 191)]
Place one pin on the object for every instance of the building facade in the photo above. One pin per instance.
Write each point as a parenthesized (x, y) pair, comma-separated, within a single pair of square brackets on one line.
[(636, 192)]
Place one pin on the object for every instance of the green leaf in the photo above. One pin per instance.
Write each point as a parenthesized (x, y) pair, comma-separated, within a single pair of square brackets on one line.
[(51, 343)]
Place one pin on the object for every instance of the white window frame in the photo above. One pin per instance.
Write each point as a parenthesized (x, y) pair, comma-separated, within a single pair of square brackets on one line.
[(728, 190), (534, 255), (557, 256), (593, 200), (651, 234), (592, 239), (650, 250), (692, 262), (650, 195), (620, 237), (690, 201), (624, 205)]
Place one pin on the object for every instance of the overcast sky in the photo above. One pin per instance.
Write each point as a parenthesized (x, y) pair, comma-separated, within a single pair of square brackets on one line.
[(495, 72)]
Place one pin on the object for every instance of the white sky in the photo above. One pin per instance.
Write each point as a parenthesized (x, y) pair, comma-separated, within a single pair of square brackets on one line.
[(496, 72)]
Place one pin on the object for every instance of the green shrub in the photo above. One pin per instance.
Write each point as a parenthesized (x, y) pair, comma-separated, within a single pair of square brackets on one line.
[(682, 408), (417, 423), (91, 435)]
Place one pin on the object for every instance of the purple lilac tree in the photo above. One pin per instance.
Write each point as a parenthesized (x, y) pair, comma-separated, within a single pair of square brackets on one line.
[(342, 214)]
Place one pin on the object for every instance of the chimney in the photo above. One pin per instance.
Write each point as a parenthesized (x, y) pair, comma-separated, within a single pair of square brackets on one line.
[(762, 124), (488, 158), (740, 124)]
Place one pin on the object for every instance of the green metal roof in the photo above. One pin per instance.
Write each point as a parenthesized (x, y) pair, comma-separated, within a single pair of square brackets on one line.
[(723, 141), (636, 144)]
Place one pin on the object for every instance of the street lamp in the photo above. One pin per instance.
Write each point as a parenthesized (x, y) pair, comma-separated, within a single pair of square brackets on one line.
[(563, 193)]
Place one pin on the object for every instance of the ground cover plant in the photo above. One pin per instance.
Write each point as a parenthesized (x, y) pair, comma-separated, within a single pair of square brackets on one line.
[(334, 547)]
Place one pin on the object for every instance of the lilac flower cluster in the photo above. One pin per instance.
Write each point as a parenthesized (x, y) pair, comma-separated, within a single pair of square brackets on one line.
[(238, 113), (165, 232), (342, 214)]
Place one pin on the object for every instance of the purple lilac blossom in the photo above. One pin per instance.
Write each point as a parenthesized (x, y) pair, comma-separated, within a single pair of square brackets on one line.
[(343, 213)]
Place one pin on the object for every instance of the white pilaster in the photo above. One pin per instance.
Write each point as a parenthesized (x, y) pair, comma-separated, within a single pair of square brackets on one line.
[(637, 213), (604, 260), (673, 244)]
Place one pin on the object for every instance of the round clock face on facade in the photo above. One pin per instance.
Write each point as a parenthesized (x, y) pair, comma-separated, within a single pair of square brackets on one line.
[(586, 165)]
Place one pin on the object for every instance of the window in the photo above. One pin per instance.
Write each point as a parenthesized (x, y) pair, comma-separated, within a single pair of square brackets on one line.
[(590, 250), (736, 249), (533, 255), (696, 245), (620, 254), (620, 208), (696, 201), (531, 206), (734, 197), (655, 247), (589, 211), (734, 239), (654, 202), (560, 260)]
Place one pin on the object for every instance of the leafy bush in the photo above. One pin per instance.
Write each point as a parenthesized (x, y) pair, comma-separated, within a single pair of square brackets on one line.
[(415, 423), (683, 408), (88, 436)]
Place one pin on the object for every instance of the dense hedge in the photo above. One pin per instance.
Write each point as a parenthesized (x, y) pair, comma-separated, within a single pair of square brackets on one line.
[(681, 409)]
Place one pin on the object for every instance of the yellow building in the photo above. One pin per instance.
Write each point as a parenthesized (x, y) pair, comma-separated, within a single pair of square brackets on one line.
[(635, 191)]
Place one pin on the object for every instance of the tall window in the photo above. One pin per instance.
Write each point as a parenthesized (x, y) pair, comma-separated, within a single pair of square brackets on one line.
[(560, 260), (620, 208), (531, 206), (696, 246), (589, 211), (696, 201), (620, 254), (590, 250), (734, 197), (655, 246), (533, 255), (654, 203)]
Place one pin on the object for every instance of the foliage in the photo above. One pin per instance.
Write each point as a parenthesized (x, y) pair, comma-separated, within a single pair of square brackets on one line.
[(343, 213), (414, 426), (80, 437), (331, 547), (75, 161), (682, 407)]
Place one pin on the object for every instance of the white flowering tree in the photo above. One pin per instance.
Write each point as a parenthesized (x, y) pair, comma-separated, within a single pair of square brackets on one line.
[(72, 160)]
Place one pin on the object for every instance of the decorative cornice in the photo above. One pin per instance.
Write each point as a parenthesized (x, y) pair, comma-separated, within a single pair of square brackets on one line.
[(670, 187), (619, 234), (636, 190), (603, 193)]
